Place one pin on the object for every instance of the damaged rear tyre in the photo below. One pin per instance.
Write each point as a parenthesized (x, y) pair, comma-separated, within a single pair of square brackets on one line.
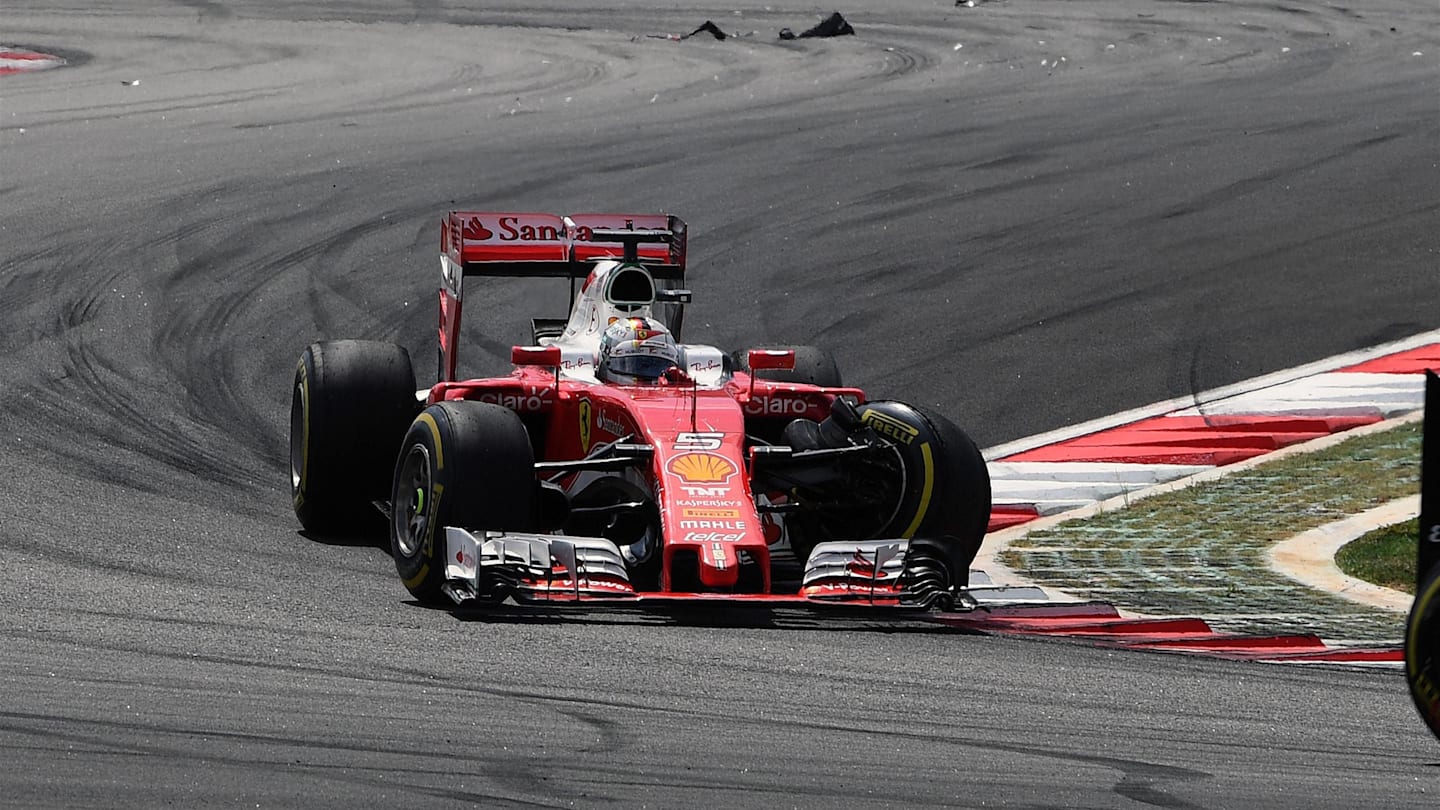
[(813, 366)]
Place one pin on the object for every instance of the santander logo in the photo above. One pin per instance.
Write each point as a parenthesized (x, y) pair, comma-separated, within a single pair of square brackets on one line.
[(475, 230), (532, 228)]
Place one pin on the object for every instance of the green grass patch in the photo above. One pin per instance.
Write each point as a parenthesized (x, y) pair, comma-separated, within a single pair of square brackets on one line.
[(1250, 508), (1385, 556)]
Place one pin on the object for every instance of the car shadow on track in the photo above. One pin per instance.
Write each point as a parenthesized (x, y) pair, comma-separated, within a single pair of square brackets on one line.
[(717, 616), (713, 614), (364, 538)]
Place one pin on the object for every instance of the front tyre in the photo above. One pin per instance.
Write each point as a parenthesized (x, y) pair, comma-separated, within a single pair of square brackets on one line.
[(946, 490), (1422, 651), (351, 401), (462, 464)]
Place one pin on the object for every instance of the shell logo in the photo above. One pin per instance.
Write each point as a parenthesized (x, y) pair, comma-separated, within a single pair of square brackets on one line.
[(701, 468)]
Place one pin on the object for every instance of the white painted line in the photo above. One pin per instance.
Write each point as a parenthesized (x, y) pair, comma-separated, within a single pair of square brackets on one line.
[(1046, 506), (1054, 487), (1024, 491), (1309, 557), (1335, 394), (1091, 471), (27, 64)]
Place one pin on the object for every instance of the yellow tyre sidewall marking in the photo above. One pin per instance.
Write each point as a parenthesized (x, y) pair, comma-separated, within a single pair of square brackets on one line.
[(299, 495), (433, 508), (925, 493), (429, 421)]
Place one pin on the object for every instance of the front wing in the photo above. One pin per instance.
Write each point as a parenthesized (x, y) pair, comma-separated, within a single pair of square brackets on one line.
[(489, 566)]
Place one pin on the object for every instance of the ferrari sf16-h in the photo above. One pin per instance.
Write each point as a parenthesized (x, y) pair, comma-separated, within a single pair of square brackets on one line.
[(618, 464)]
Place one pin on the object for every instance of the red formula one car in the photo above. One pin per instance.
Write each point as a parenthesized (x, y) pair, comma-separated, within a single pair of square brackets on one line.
[(616, 463)]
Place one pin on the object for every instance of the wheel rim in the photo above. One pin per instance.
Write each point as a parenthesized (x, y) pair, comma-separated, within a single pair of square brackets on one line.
[(299, 436), (413, 488)]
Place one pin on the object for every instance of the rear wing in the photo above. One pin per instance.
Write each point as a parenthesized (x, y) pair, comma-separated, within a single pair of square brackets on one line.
[(521, 245), (480, 243)]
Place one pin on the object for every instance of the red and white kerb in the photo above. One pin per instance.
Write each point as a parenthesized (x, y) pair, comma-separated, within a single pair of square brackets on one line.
[(19, 60)]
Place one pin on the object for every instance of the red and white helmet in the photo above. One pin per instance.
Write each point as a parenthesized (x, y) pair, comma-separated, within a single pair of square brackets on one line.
[(636, 351)]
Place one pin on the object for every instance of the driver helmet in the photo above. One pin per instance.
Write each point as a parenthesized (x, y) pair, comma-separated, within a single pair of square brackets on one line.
[(636, 351)]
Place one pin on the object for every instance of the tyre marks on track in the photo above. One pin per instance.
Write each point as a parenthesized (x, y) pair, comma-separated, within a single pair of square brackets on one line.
[(85, 373), (238, 275)]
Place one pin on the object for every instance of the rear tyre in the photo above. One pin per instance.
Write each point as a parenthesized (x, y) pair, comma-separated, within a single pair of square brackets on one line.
[(350, 404), (462, 464), (813, 366)]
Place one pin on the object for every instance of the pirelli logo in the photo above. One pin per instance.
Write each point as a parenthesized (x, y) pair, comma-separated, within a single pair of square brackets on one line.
[(890, 427), (711, 514)]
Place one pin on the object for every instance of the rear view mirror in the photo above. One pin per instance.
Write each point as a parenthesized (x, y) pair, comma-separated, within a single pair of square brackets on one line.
[(548, 356), (770, 358)]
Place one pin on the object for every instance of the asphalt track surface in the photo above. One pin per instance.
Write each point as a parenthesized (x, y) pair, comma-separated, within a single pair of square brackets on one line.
[(987, 209)]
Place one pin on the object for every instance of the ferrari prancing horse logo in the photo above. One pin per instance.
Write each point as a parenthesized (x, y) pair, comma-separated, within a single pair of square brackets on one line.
[(585, 413)]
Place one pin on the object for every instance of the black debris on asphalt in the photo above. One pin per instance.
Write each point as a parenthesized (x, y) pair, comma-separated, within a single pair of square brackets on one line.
[(833, 26), (707, 27)]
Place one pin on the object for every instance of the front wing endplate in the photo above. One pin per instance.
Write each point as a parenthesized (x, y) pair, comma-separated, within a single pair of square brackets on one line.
[(532, 567)]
